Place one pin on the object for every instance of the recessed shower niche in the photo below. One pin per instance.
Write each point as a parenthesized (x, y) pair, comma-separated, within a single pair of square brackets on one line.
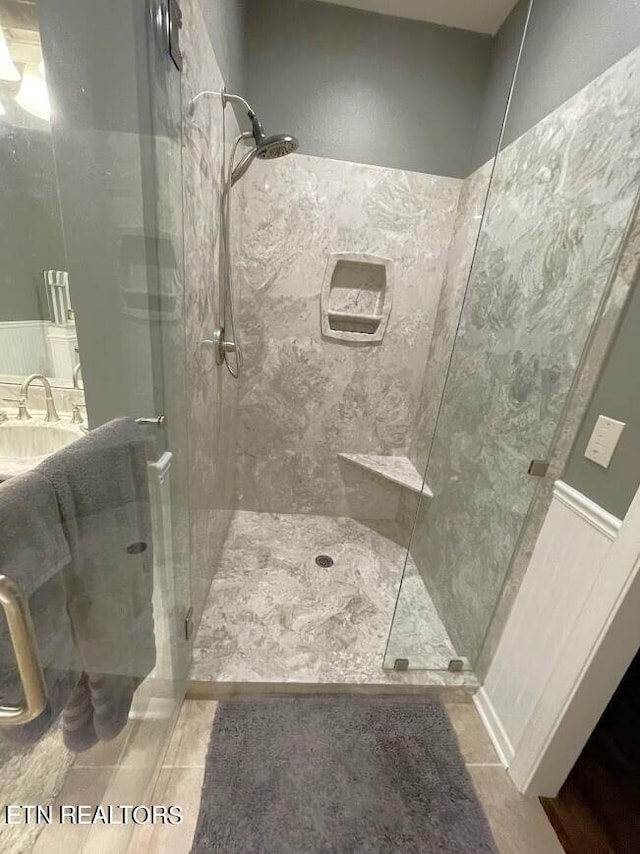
[(356, 297)]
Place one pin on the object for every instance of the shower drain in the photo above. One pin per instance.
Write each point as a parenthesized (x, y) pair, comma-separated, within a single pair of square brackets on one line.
[(324, 561)]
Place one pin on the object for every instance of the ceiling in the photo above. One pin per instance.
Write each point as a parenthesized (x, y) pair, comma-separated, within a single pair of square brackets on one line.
[(483, 16)]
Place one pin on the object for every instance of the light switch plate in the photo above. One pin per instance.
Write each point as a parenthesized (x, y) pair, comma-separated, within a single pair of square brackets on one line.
[(604, 440)]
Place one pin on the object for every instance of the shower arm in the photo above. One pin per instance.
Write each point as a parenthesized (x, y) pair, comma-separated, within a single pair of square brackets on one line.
[(227, 98)]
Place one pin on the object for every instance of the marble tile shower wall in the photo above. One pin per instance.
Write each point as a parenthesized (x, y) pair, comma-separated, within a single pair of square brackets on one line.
[(561, 198), (473, 195), (466, 228), (212, 391), (304, 399)]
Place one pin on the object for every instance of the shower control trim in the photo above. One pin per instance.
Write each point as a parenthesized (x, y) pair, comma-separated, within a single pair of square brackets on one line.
[(222, 346)]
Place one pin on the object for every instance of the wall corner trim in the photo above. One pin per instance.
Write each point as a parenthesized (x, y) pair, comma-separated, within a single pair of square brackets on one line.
[(600, 519), (493, 725)]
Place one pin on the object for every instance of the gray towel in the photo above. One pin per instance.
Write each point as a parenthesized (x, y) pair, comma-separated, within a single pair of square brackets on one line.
[(33, 552), (103, 495)]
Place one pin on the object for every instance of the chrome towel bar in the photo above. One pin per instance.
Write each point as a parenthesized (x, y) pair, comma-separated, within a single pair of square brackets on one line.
[(16, 611)]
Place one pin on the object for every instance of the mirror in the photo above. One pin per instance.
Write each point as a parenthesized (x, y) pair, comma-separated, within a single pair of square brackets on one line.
[(37, 328)]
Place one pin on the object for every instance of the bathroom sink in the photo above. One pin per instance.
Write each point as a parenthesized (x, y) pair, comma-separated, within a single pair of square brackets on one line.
[(23, 444)]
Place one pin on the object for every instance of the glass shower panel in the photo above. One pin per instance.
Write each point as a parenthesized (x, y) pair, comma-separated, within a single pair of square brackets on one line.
[(418, 632), (561, 195), (339, 271), (114, 131)]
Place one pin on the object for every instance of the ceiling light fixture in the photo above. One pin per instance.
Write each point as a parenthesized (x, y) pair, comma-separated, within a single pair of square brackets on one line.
[(8, 70), (32, 95)]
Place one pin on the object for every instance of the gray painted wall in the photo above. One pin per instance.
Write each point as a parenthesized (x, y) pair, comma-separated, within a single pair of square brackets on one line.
[(377, 89), (30, 227), (505, 47), (616, 395), (364, 87), (225, 24), (568, 44)]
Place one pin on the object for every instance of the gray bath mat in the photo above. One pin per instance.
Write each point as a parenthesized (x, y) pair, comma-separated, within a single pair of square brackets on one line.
[(337, 775)]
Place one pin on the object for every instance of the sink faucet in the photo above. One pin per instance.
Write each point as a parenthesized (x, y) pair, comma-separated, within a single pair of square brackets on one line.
[(76, 375), (52, 413)]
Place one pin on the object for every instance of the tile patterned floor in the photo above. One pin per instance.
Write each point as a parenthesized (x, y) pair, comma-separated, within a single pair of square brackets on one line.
[(180, 781), (519, 824), (273, 615), (116, 772)]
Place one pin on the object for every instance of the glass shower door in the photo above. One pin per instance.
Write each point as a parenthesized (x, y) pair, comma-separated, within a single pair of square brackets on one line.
[(113, 130), (562, 192)]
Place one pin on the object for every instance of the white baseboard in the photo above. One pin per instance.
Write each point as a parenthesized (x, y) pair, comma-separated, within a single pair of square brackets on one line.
[(493, 725)]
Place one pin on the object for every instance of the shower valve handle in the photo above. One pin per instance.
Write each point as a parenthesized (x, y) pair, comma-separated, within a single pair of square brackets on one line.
[(223, 346)]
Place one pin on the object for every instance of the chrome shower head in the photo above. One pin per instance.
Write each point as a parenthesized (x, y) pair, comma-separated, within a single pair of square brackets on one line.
[(272, 147), (266, 148)]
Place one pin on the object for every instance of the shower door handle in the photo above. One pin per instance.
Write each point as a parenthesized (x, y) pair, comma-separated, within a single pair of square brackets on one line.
[(156, 420), (23, 639)]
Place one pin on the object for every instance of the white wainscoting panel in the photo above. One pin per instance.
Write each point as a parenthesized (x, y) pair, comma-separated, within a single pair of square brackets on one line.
[(573, 544), (23, 347)]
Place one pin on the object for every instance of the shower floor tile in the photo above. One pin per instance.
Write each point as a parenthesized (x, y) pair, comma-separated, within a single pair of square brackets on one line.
[(274, 615)]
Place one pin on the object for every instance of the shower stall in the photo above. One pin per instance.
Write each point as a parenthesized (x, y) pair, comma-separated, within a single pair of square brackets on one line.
[(359, 354), (418, 340)]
